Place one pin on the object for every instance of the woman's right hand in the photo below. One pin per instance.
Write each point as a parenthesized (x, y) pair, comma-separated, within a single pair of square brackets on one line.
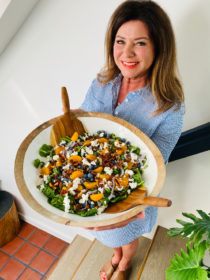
[(120, 224)]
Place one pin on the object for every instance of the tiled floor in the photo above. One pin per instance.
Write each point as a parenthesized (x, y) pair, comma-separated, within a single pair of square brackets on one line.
[(31, 255)]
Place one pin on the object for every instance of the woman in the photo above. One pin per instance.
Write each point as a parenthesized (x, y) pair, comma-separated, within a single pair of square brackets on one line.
[(139, 84)]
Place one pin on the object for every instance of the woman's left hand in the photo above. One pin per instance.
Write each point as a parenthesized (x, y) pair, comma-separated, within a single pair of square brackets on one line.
[(120, 224)]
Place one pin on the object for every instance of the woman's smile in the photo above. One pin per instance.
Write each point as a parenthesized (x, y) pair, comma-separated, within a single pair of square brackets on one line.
[(129, 64)]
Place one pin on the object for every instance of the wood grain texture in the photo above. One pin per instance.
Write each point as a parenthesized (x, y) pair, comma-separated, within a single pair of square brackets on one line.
[(100, 254), (9, 222), (71, 259), (67, 124), (158, 257), (63, 220), (136, 198)]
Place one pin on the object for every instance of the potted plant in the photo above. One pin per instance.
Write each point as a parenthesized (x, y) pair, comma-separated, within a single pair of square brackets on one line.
[(189, 265)]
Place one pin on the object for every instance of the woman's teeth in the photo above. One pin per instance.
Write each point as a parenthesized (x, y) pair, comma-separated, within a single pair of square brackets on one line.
[(130, 63)]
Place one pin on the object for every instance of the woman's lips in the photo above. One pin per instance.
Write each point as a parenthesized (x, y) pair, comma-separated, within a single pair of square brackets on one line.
[(129, 64)]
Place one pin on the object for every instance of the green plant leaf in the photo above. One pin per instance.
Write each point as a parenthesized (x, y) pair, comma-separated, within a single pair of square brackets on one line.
[(196, 230), (187, 266)]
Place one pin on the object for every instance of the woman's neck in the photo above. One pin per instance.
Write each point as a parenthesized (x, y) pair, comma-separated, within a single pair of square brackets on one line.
[(129, 85)]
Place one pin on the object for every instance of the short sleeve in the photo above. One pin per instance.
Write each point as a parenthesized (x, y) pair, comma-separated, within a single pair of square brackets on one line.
[(168, 132), (92, 102)]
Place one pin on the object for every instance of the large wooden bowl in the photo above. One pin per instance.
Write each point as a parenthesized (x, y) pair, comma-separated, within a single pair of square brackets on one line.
[(26, 175)]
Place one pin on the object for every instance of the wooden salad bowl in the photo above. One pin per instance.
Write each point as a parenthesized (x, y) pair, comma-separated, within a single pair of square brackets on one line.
[(26, 174)]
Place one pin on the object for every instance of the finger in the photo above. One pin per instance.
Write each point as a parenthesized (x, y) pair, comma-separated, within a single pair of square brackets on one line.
[(140, 215)]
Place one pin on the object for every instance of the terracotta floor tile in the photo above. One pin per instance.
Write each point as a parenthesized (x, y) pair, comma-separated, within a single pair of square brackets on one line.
[(26, 230), (39, 237), (12, 246), (55, 245), (3, 259), (42, 262), (12, 270), (52, 268), (30, 274), (26, 253)]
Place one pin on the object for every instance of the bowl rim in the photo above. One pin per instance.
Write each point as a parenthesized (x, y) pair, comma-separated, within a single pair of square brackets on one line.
[(34, 204)]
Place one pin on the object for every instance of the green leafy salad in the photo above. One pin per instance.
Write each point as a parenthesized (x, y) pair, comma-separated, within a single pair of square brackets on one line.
[(85, 173)]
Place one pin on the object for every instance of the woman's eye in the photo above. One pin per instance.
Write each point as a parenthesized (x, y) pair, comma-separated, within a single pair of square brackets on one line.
[(141, 43), (120, 42)]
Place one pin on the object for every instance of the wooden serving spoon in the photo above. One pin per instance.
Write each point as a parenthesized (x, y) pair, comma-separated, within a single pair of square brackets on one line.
[(137, 197), (67, 124)]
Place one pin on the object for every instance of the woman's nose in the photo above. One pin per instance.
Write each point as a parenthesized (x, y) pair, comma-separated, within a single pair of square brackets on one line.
[(129, 51)]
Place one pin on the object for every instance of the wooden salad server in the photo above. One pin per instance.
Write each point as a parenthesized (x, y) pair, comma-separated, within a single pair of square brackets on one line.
[(136, 198), (67, 124)]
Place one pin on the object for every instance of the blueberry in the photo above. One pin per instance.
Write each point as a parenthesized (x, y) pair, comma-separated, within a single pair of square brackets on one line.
[(99, 131), (92, 179), (108, 135), (139, 165), (114, 161), (90, 175)]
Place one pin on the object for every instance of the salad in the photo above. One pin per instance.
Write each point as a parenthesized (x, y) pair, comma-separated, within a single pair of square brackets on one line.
[(85, 173)]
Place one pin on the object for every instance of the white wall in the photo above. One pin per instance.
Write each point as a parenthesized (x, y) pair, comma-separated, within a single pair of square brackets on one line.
[(61, 44)]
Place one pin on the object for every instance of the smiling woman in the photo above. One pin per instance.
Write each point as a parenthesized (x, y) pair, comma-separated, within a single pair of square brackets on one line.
[(139, 84)]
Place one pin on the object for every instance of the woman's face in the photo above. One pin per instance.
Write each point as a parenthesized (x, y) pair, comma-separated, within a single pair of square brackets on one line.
[(133, 50)]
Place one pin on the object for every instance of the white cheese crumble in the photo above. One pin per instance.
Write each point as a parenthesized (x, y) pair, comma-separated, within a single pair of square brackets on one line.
[(45, 178), (94, 143), (108, 170), (133, 157), (85, 162), (66, 167), (133, 185), (74, 153), (84, 198), (55, 157), (66, 203), (89, 150), (129, 172), (100, 210)]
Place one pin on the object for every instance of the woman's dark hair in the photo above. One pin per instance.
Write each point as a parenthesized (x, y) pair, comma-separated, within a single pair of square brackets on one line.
[(164, 83)]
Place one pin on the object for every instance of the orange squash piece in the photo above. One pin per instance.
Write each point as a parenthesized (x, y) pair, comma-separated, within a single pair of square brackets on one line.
[(102, 140), (96, 197), (97, 170), (87, 143), (104, 176), (91, 157), (75, 158), (75, 136), (76, 174), (90, 185), (59, 149), (45, 170)]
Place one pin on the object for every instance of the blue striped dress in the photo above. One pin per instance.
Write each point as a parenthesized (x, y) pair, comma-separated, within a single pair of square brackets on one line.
[(164, 130)]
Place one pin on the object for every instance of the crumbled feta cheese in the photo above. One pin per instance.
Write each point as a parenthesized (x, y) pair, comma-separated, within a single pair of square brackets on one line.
[(45, 178), (108, 170), (111, 196), (117, 144), (84, 198), (66, 203), (125, 163), (120, 189), (129, 191), (55, 157), (74, 153), (105, 145), (129, 172), (134, 157), (85, 162), (41, 187), (100, 189), (82, 152), (94, 143), (101, 134), (89, 150), (133, 185), (101, 210), (66, 167)]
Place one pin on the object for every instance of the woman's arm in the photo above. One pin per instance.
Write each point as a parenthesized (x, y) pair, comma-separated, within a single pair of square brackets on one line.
[(168, 132)]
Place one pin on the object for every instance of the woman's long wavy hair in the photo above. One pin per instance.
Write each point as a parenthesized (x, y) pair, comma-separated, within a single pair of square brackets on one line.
[(164, 83)]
